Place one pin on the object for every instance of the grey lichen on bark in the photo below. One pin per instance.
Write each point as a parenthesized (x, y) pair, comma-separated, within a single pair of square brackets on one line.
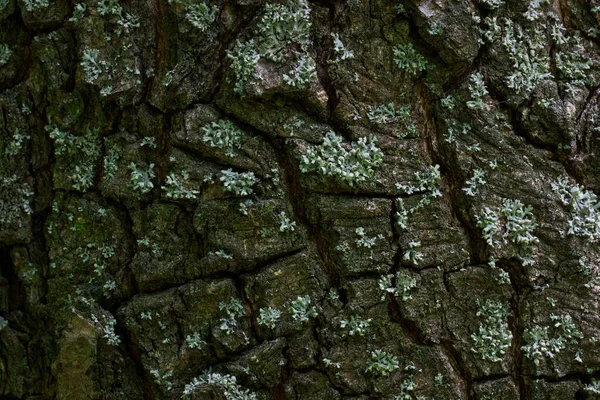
[(299, 200)]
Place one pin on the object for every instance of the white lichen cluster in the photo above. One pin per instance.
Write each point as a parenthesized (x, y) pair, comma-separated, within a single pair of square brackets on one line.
[(332, 158), (493, 338)]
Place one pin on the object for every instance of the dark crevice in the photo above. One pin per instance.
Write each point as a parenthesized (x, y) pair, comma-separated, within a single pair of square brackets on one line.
[(161, 45), (132, 350), (490, 378), (518, 276), (260, 265), (593, 93), (198, 241), (72, 66), (419, 269), (235, 276), (549, 148), (130, 283), (447, 160), (38, 245), (394, 227), (192, 152), (155, 110), (16, 291), (360, 275), (520, 131), (463, 74), (458, 366), (395, 312), (133, 246), (226, 37), (512, 114), (42, 175), (450, 171), (445, 280), (456, 198), (297, 196), (409, 327), (180, 330), (515, 325), (323, 56)]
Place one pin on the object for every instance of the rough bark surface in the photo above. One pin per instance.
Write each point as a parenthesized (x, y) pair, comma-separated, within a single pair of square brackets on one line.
[(355, 199)]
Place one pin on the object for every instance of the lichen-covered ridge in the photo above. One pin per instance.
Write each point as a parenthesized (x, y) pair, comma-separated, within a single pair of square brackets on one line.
[(299, 199)]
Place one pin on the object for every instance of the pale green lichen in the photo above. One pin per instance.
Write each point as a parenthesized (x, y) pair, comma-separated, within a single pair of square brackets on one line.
[(409, 60), (351, 166), (5, 53), (493, 338), (243, 61), (284, 25), (239, 183)]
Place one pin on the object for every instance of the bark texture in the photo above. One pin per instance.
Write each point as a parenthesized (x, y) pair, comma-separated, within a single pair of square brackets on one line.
[(355, 199)]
